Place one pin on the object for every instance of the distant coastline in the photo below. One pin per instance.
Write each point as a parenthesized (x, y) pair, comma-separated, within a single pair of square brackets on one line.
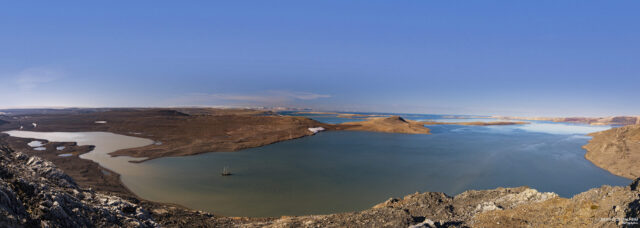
[(612, 120)]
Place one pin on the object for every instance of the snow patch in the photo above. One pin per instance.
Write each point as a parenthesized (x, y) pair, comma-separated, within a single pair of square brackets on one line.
[(316, 129), (35, 144)]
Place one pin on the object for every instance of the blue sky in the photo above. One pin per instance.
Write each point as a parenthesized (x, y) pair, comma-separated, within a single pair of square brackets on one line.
[(534, 58)]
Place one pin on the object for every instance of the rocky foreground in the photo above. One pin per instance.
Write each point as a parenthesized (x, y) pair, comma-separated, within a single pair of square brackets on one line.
[(34, 193)]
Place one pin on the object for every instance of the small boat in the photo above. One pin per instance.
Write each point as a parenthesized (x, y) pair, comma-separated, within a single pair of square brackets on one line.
[(225, 172)]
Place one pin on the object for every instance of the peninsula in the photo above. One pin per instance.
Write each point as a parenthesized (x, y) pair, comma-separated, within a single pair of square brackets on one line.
[(616, 150), (176, 132), (393, 124), (190, 131)]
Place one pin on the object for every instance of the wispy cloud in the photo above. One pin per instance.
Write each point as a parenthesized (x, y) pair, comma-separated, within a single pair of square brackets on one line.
[(262, 98), (33, 77)]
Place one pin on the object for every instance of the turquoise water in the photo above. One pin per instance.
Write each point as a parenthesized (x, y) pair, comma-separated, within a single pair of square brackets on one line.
[(343, 171)]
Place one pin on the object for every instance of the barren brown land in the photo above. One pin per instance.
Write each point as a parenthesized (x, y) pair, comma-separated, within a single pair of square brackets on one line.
[(512, 207), (393, 124), (613, 120), (345, 115), (190, 131), (177, 133), (475, 123), (616, 150)]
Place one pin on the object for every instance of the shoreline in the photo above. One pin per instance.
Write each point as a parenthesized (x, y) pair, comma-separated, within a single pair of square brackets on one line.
[(594, 121), (514, 207), (475, 123), (177, 133), (113, 187), (127, 191), (372, 124), (184, 132), (616, 150)]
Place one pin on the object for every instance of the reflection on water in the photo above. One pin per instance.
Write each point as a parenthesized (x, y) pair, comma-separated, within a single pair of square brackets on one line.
[(347, 171)]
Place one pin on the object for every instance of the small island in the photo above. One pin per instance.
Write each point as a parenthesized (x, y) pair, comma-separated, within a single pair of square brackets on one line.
[(393, 124)]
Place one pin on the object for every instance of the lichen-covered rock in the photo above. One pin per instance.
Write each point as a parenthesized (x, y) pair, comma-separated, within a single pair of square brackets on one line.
[(34, 193), (606, 206)]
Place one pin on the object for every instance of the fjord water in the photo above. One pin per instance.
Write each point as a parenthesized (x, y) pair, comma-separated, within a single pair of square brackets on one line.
[(347, 171)]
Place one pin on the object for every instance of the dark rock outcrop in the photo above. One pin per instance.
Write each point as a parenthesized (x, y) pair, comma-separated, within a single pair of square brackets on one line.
[(34, 193)]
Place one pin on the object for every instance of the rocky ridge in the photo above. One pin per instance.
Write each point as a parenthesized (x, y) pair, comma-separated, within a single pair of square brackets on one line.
[(34, 192), (502, 207)]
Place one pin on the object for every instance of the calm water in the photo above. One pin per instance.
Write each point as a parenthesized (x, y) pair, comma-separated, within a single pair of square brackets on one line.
[(346, 171), (104, 143)]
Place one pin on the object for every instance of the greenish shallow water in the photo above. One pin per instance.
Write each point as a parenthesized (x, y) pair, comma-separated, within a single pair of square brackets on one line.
[(346, 171)]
